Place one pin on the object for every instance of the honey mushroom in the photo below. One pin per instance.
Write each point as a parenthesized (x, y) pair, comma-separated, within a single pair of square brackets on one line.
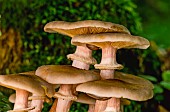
[(24, 85), (65, 75), (82, 58), (110, 43)]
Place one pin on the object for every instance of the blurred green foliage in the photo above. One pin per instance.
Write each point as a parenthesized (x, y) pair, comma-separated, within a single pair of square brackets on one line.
[(5, 105), (41, 48), (155, 18)]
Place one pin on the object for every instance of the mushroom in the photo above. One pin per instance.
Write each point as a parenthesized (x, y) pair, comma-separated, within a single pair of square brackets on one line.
[(110, 43), (25, 84), (128, 78), (28, 73), (117, 89), (12, 98), (82, 57), (66, 76)]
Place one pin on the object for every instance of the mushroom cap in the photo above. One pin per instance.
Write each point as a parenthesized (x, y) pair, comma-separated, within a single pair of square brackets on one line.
[(117, 40), (30, 83), (84, 98), (12, 98), (132, 79), (65, 74), (116, 88), (83, 27), (28, 73)]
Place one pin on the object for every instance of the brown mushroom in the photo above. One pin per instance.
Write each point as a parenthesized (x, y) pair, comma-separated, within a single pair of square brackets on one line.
[(66, 76), (12, 98), (82, 57), (110, 43), (123, 86), (117, 89), (25, 84)]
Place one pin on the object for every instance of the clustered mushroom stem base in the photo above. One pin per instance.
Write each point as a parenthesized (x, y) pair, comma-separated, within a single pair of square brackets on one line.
[(91, 108), (21, 101), (53, 108), (38, 104), (113, 105), (84, 52), (64, 105), (100, 106)]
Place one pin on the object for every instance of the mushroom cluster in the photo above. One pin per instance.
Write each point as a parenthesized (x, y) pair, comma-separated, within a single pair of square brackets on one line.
[(106, 90)]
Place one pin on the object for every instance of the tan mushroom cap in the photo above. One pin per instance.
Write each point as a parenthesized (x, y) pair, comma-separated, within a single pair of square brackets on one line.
[(84, 98), (28, 73), (83, 27), (65, 74), (132, 79), (30, 83), (117, 40), (12, 98), (116, 88)]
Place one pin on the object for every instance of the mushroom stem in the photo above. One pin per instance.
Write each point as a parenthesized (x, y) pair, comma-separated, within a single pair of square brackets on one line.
[(84, 52), (108, 59), (21, 101), (37, 103), (53, 108), (108, 55), (91, 108), (113, 105), (64, 105), (107, 74), (100, 106)]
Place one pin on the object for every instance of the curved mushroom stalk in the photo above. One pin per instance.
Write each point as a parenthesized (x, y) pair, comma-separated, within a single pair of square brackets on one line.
[(82, 58), (21, 101), (100, 105), (54, 106), (91, 108), (113, 105)]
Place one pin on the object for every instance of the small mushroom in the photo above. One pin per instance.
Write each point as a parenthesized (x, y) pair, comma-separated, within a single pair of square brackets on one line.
[(12, 98), (25, 84), (66, 76), (82, 57)]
